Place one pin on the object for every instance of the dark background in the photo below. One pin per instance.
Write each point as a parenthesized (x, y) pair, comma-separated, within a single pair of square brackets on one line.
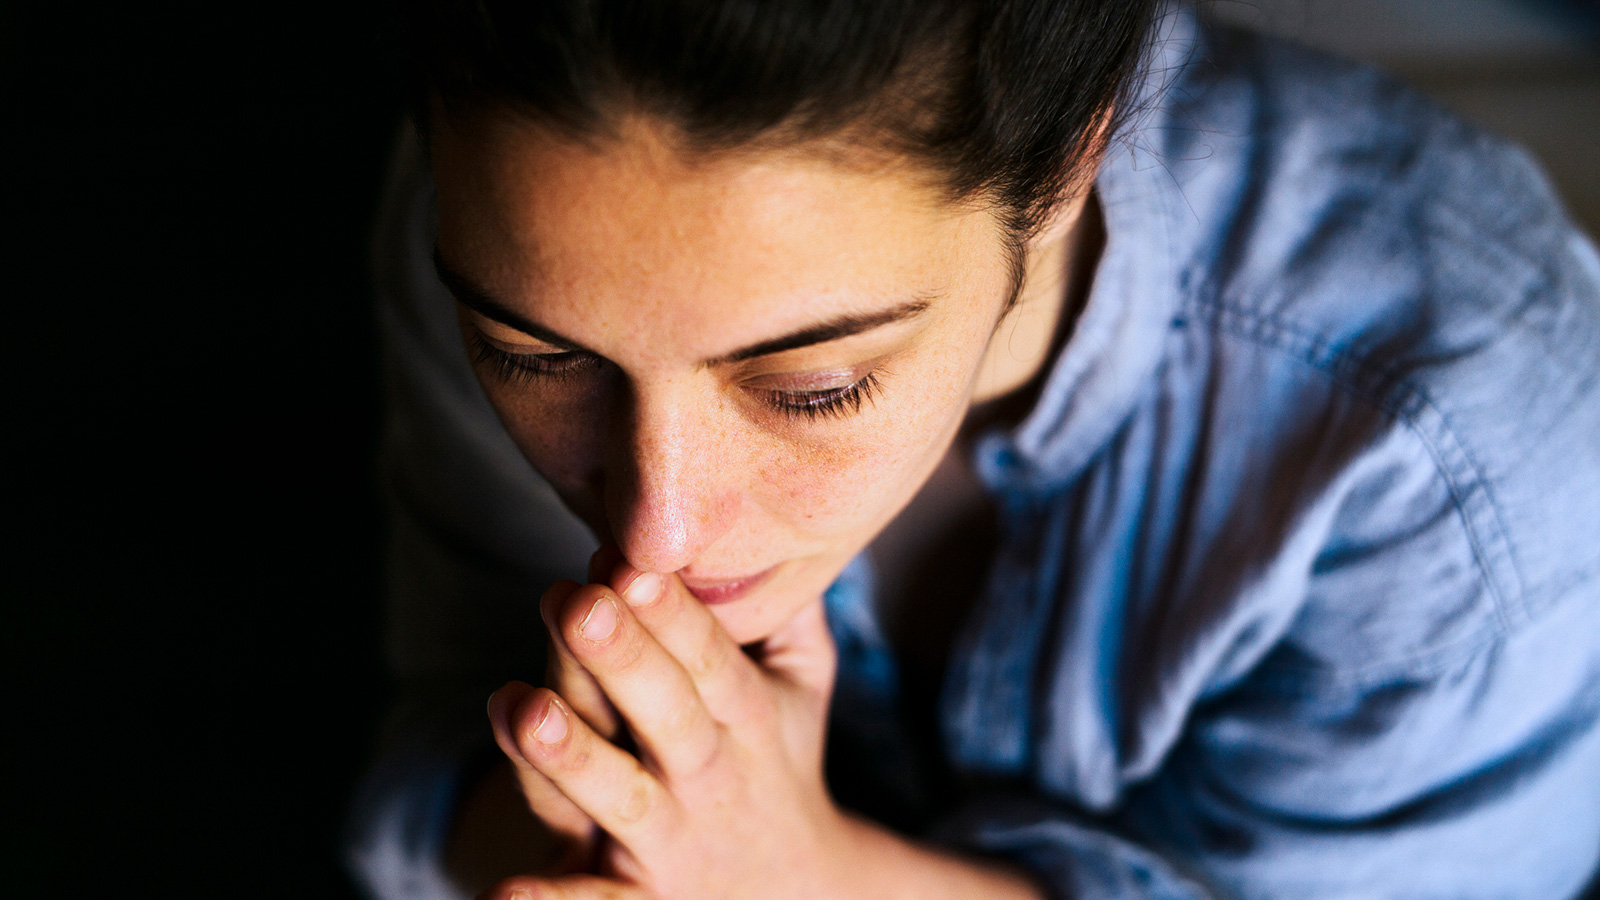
[(191, 634)]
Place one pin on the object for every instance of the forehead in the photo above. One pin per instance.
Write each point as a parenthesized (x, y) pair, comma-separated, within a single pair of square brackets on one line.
[(635, 225)]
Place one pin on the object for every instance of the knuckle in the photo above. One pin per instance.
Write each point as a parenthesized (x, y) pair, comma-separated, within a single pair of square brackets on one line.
[(701, 759), (707, 663), (575, 761), (636, 802), (679, 720), (643, 798)]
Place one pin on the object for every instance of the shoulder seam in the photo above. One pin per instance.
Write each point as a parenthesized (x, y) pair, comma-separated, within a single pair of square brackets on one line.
[(1389, 390)]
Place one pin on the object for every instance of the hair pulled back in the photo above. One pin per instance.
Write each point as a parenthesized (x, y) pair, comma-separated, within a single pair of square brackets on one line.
[(1003, 100)]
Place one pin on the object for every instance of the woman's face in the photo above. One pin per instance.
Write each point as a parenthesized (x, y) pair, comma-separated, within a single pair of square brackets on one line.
[(740, 368)]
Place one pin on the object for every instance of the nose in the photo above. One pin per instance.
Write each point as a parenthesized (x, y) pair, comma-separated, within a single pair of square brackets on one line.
[(671, 489)]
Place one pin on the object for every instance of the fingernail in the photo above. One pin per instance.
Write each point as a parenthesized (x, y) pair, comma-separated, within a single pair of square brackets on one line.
[(553, 727), (644, 588), (601, 620)]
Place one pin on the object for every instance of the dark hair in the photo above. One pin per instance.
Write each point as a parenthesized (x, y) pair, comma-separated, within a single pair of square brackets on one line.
[(1001, 99)]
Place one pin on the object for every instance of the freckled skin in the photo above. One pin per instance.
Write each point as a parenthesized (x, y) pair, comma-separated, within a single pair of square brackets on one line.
[(656, 260)]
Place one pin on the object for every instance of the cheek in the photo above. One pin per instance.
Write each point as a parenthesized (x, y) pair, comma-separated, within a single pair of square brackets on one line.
[(561, 439), (854, 484), (821, 491)]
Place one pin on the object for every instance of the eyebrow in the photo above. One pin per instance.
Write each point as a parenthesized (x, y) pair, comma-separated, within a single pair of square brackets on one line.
[(478, 300)]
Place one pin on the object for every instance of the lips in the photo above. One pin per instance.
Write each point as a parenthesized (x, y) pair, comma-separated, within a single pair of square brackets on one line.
[(713, 592)]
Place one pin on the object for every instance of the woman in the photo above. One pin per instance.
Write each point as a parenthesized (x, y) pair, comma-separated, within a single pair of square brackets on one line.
[(1171, 459)]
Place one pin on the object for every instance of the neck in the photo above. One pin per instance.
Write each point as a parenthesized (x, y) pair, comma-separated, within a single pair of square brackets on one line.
[(1060, 270)]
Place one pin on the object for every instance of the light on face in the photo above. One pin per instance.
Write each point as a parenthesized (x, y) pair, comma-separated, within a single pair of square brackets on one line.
[(729, 366)]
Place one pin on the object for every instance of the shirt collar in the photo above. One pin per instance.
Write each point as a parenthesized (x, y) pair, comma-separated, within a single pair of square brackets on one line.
[(1118, 341)]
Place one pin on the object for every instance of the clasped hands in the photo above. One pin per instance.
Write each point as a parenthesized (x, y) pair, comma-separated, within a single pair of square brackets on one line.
[(722, 793)]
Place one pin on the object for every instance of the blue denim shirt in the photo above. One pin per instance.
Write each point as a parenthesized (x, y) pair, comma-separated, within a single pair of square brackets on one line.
[(1298, 594)]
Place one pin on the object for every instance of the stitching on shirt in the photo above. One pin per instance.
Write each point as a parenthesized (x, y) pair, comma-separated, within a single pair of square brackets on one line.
[(1387, 390), (1384, 388), (1287, 680), (1284, 679)]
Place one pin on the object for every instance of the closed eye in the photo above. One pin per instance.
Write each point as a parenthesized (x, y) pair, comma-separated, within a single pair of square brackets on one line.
[(833, 402), (522, 368)]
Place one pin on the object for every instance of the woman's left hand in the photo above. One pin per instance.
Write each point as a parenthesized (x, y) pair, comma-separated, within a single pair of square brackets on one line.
[(725, 795)]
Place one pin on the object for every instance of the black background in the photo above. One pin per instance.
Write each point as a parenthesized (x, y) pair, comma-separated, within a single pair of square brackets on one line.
[(192, 615)]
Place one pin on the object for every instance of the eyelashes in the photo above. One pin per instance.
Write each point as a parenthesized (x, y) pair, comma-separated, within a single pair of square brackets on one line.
[(521, 369), (821, 404)]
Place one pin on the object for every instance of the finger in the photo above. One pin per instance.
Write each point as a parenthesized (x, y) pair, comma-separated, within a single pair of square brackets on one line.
[(566, 676), (648, 687), (723, 675), (545, 800), (570, 887), (608, 785)]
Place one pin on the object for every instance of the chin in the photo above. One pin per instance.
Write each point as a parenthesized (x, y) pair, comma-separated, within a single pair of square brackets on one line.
[(751, 624)]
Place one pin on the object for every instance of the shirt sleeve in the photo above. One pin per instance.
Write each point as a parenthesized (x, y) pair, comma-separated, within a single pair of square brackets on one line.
[(475, 536), (1477, 778), (1408, 733), (1472, 774)]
